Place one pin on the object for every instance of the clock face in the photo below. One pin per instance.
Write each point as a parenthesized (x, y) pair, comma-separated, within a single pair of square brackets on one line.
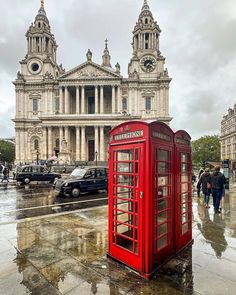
[(35, 66), (148, 64)]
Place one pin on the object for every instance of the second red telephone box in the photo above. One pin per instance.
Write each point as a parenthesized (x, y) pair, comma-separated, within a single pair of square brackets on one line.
[(141, 195), (183, 190)]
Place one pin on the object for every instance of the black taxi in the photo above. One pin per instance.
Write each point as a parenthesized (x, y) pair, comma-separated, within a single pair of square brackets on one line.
[(82, 180), (27, 173)]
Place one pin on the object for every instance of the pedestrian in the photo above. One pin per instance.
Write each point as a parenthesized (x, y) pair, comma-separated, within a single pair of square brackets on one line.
[(218, 182), (199, 175), (5, 173), (205, 183)]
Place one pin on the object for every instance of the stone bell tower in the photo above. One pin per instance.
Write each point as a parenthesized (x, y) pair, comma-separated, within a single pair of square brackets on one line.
[(147, 67), (36, 89)]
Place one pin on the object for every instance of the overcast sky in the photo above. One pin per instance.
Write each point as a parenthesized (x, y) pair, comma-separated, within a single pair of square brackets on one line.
[(197, 39)]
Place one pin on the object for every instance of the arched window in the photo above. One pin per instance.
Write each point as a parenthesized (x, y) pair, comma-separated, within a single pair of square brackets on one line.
[(146, 21), (36, 144)]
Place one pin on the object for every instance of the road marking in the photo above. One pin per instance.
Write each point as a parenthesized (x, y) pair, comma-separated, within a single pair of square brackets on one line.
[(52, 215), (54, 205)]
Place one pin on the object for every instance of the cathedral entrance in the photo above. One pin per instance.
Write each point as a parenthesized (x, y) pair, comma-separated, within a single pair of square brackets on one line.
[(91, 154), (91, 105)]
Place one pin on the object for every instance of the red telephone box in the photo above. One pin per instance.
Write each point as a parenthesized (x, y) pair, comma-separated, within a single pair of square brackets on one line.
[(141, 195), (183, 190)]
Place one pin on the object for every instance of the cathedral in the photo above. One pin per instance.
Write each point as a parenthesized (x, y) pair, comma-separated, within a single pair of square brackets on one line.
[(67, 115)]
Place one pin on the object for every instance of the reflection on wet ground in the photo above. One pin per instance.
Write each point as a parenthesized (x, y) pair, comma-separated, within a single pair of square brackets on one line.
[(26, 201), (66, 254)]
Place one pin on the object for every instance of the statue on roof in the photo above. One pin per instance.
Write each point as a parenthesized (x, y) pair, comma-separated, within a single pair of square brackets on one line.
[(89, 55)]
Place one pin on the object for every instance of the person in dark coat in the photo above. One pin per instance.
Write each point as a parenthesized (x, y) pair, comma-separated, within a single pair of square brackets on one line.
[(204, 183), (218, 182), (5, 173)]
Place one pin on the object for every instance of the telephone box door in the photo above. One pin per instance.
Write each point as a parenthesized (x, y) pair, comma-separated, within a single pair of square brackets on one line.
[(183, 190), (163, 202), (126, 181)]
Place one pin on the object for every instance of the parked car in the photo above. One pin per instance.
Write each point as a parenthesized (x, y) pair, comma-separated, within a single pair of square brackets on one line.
[(30, 173), (81, 180)]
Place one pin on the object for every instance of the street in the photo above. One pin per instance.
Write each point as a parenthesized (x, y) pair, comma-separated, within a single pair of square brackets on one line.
[(48, 247), (35, 200)]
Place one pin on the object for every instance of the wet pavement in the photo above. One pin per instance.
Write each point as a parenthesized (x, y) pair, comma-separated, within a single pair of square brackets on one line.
[(65, 253), (37, 199)]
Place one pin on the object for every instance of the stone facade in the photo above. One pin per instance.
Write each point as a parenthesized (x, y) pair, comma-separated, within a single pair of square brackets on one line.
[(228, 137), (68, 114)]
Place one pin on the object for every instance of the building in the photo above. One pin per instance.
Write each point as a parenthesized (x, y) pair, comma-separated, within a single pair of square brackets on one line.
[(69, 114), (228, 137)]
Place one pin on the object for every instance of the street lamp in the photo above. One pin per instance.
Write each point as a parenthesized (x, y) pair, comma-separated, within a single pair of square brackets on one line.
[(37, 156), (96, 157)]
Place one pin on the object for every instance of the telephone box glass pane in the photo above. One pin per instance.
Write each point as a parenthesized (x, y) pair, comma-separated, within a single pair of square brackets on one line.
[(161, 205), (162, 217), (185, 228), (162, 229), (163, 167), (125, 167), (126, 180), (184, 168), (126, 155), (162, 242), (184, 178), (162, 155), (125, 193)]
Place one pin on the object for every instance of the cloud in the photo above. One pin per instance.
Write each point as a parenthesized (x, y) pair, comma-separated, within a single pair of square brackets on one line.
[(197, 40)]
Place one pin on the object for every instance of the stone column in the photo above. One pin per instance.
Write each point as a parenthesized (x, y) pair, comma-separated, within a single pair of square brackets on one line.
[(96, 99), (96, 146), (17, 147), (51, 102), (162, 99), (77, 100), (50, 151), (22, 145), (113, 100), (102, 144), (67, 101), (83, 144), (136, 101), (60, 137), (130, 100), (166, 101), (83, 100), (119, 100), (30, 155), (60, 100), (44, 144), (101, 100), (139, 41), (78, 147), (67, 138)]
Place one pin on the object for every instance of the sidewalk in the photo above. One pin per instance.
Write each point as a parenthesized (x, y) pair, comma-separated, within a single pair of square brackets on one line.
[(66, 254)]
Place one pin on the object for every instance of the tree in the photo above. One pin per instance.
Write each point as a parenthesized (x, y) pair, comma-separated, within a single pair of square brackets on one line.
[(205, 149), (7, 151)]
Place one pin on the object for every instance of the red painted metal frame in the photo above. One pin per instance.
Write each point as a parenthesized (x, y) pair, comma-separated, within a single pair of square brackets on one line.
[(183, 205), (150, 137)]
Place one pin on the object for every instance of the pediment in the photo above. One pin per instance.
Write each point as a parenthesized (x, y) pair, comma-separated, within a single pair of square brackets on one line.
[(89, 70)]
